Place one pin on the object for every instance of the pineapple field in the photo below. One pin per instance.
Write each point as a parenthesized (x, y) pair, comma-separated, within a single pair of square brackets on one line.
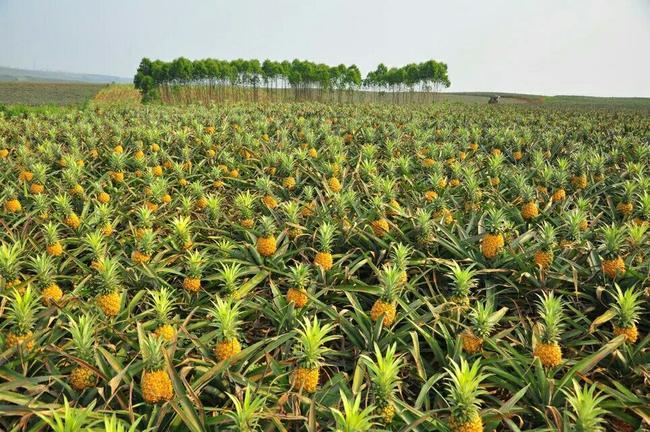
[(312, 267)]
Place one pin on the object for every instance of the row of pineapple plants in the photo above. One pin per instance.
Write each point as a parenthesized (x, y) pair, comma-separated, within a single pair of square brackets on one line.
[(299, 265)]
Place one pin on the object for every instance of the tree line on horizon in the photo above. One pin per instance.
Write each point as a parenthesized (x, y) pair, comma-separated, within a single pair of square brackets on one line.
[(219, 80)]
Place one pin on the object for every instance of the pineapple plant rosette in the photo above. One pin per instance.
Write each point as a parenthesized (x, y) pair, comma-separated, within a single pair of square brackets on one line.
[(464, 391), (156, 385), (225, 316), (310, 351), (547, 349), (384, 375), (82, 334)]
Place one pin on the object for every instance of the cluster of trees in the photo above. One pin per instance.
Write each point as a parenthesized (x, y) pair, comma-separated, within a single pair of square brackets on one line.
[(304, 79)]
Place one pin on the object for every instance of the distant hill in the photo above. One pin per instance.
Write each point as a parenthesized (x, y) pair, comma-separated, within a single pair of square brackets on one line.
[(24, 75)]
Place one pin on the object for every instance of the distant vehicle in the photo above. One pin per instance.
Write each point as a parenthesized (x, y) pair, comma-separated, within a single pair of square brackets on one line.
[(494, 99)]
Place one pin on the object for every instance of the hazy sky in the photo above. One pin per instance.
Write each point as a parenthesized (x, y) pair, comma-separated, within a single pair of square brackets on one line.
[(588, 47)]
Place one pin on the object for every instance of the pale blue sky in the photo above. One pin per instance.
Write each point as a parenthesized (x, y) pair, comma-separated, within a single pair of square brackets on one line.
[(589, 47)]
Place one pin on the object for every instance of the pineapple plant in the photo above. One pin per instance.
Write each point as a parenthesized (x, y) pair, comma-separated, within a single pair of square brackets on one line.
[(12, 202), (587, 412), (626, 308), (162, 303), (353, 418), (247, 412), (225, 316), (544, 255), (144, 247), (326, 235), (69, 216), (43, 266), (107, 286), (464, 280), (483, 319), (378, 222), (613, 264), (626, 205), (492, 242), (300, 280), (21, 317), (464, 390), (82, 332), (156, 385), (529, 208), (547, 349), (310, 350), (384, 375), (11, 262), (385, 307), (245, 205), (182, 232), (265, 185), (194, 264), (400, 255), (266, 242)]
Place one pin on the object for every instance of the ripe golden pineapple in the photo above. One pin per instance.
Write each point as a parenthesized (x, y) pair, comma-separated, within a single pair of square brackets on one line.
[(297, 293), (613, 264), (156, 386), (108, 286), (162, 304), (21, 316), (391, 286), (464, 389), (266, 242), (310, 350), (384, 375), (326, 235), (225, 315), (43, 266), (493, 242), (195, 262), (627, 309), (12, 203), (544, 255), (83, 340), (548, 349)]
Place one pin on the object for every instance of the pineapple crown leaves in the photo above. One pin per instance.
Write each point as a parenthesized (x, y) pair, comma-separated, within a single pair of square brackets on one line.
[(291, 211), (326, 236), (151, 349), (464, 389), (612, 242), (195, 262), (22, 311), (109, 278), (629, 187), (182, 227), (96, 242), (62, 202), (247, 412), (400, 254), (264, 184), (162, 303), (229, 275), (245, 204), (311, 338), (550, 310), (547, 236), (484, 318), (145, 216), (43, 265), (353, 418), (587, 407), (225, 315), (390, 278), (82, 332), (300, 276), (464, 279), (267, 226), (496, 221), (10, 260), (384, 372), (627, 307)]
